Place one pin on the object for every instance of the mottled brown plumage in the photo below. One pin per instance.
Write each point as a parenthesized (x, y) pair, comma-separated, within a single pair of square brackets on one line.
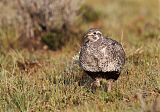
[(101, 57)]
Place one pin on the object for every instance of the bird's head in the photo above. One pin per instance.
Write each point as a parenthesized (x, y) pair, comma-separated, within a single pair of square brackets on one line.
[(93, 35)]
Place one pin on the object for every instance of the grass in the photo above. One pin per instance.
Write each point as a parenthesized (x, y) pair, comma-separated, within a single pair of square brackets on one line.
[(51, 81)]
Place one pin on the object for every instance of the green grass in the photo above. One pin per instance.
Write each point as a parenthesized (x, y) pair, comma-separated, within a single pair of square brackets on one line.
[(50, 81)]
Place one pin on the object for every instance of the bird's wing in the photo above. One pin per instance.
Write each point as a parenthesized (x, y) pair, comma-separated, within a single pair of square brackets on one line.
[(113, 55), (88, 61)]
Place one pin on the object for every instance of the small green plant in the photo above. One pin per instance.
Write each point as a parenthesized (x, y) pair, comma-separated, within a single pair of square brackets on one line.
[(8, 38), (89, 14), (54, 40)]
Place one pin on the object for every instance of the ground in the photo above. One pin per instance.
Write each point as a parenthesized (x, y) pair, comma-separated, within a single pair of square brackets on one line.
[(45, 80)]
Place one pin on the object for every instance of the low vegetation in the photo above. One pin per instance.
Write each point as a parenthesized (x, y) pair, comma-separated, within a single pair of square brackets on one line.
[(45, 80)]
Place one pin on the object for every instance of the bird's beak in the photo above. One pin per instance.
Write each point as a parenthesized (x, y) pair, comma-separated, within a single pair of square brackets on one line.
[(90, 37)]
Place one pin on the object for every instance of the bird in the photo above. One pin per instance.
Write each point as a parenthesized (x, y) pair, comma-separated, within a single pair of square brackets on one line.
[(101, 57)]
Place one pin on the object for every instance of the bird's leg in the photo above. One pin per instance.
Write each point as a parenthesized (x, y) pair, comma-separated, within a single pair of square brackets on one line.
[(109, 85), (96, 82)]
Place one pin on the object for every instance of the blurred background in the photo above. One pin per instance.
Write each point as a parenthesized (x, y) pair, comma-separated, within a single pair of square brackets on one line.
[(55, 24), (39, 40)]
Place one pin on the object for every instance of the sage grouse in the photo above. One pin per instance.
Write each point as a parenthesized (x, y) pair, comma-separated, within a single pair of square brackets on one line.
[(101, 57)]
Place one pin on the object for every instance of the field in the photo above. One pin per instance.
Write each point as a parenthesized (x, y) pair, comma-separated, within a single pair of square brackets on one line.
[(46, 80)]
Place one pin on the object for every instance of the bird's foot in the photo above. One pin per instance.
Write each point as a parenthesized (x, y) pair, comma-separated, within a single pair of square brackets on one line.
[(95, 84), (109, 88)]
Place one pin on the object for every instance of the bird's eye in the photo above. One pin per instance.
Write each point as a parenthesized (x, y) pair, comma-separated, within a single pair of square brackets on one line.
[(99, 34), (94, 33)]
